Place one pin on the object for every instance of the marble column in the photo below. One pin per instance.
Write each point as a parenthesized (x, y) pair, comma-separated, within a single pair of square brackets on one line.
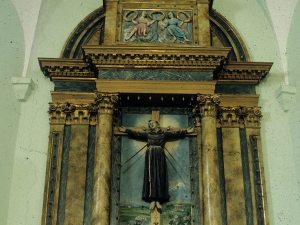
[(107, 104), (210, 166)]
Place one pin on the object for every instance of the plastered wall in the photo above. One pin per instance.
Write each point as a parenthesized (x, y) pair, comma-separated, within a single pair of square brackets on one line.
[(278, 143), (11, 64), (29, 135), (25, 132), (293, 50)]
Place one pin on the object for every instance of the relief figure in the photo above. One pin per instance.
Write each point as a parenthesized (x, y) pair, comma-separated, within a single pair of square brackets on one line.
[(174, 30), (140, 29), (155, 26)]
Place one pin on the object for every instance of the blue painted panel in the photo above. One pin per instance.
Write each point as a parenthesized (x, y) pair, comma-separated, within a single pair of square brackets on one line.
[(132, 173)]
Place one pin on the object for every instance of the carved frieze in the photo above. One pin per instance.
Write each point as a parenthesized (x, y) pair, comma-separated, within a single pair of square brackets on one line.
[(158, 26), (192, 58)]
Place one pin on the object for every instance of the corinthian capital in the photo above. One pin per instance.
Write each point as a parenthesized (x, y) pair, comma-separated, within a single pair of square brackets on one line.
[(68, 113), (253, 117), (239, 116), (59, 112), (208, 105), (107, 102)]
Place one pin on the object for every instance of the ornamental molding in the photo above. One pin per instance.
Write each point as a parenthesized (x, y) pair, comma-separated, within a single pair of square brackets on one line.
[(243, 72), (68, 113), (240, 116), (191, 58), (146, 57), (65, 68)]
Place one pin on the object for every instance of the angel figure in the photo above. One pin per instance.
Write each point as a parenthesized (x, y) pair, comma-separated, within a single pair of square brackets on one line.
[(173, 28), (142, 26)]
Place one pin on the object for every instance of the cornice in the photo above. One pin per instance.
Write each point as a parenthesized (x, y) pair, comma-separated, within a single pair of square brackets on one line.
[(153, 57), (243, 72), (130, 57), (65, 68)]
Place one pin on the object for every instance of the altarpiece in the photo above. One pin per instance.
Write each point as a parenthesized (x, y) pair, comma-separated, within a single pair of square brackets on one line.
[(181, 64)]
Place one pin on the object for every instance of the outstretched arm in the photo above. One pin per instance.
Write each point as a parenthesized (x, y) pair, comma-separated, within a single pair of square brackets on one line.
[(133, 21), (134, 134), (149, 23), (163, 24), (178, 134)]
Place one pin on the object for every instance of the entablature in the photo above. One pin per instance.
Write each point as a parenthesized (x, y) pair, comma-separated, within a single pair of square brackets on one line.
[(65, 68), (141, 57), (243, 72)]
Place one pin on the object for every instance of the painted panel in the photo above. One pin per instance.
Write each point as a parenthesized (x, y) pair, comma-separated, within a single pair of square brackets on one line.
[(132, 209)]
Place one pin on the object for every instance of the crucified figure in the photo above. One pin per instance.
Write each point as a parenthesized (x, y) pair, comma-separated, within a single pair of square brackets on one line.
[(156, 185)]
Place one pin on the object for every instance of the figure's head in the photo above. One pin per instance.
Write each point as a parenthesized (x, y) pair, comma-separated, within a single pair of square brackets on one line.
[(170, 15), (153, 125), (144, 14)]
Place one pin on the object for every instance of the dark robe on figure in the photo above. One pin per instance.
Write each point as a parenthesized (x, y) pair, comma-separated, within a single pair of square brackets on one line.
[(156, 185)]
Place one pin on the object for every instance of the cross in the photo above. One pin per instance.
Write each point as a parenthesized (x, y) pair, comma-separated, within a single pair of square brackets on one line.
[(156, 140), (155, 115), (155, 217), (155, 214)]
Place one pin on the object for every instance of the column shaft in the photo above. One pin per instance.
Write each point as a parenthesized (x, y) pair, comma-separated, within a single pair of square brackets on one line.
[(210, 164), (102, 167)]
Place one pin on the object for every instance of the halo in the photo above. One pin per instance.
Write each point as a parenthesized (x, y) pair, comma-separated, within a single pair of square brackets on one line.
[(129, 12), (157, 11), (187, 15)]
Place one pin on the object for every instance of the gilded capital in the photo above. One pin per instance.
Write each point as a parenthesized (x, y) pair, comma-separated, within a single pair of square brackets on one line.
[(68, 113), (253, 117), (208, 105), (107, 103), (240, 116)]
